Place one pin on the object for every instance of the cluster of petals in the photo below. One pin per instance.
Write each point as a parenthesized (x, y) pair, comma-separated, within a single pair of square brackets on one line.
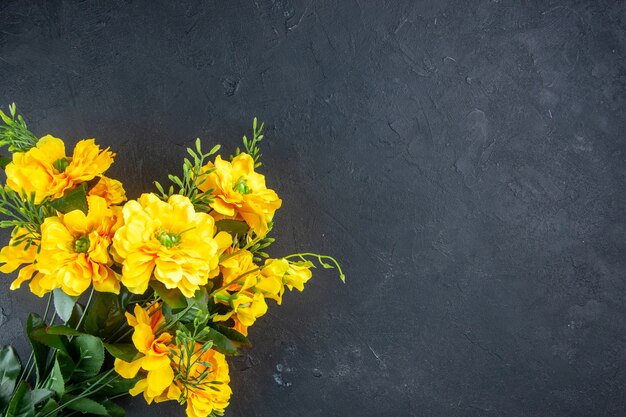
[(160, 358), (247, 285), (46, 171), (73, 252), (167, 241), (240, 193)]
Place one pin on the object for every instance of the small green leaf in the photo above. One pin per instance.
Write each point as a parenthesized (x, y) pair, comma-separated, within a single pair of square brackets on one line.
[(91, 351), (173, 297), (76, 317), (54, 381), (197, 306), (40, 351), (9, 371), (66, 366), (221, 343), (124, 351), (105, 315), (231, 334), (64, 304), (159, 187), (214, 149), (73, 200), (84, 405), (38, 333), (21, 404), (40, 395), (61, 329), (49, 409), (4, 161), (234, 227), (113, 409), (6, 118), (91, 183)]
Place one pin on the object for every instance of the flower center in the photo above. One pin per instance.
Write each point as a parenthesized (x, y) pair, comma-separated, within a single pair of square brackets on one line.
[(241, 187), (61, 164), (81, 245), (169, 240)]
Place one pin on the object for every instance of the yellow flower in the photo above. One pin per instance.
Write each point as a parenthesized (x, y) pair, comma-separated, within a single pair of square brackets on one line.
[(246, 305), (241, 276), (46, 171), (277, 274), (170, 240), (246, 285), (270, 279), (297, 275), (201, 380), (14, 256), (109, 189), (239, 192), (239, 270), (154, 349), (74, 249), (213, 393)]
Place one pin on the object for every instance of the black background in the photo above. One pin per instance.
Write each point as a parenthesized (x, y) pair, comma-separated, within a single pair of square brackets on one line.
[(464, 160)]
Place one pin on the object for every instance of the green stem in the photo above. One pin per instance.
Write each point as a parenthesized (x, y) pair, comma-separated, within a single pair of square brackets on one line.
[(320, 259), (223, 287), (82, 316), (90, 390)]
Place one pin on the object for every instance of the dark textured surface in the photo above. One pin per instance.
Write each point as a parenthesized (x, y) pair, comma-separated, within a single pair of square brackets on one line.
[(465, 161)]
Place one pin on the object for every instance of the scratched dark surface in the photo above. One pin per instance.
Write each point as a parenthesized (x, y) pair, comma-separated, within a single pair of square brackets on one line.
[(464, 160)]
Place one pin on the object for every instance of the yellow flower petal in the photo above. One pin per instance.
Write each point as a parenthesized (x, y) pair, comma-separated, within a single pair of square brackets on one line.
[(159, 380), (143, 337), (139, 387), (127, 369)]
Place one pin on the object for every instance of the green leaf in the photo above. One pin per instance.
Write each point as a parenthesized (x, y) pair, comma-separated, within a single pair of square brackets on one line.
[(91, 357), (6, 119), (73, 200), (21, 404), (9, 372), (4, 161), (54, 381), (64, 304), (197, 306), (91, 183), (75, 318), (105, 315), (221, 343), (61, 329), (84, 405), (231, 334), (40, 334), (66, 365), (49, 409), (113, 409), (234, 227), (40, 395), (214, 149), (40, 351), (173, 297), (124, 351)]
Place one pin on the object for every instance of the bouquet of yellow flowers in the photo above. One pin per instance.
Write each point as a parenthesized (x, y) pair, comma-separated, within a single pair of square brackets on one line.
[(144, 296)]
